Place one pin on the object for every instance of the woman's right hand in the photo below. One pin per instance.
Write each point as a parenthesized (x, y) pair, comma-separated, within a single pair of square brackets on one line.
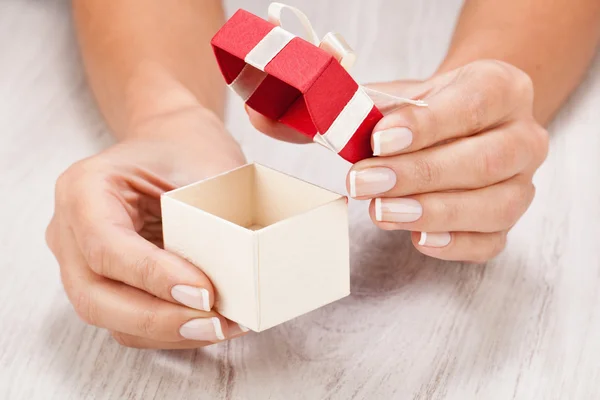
[(106, 234)]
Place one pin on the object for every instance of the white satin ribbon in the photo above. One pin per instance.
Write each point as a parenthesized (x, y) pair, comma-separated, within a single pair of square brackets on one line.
[(268, 48), (346, 123), (248, 80)]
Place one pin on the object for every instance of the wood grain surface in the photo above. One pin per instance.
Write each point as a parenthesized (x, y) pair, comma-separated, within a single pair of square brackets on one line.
[(525, 326)]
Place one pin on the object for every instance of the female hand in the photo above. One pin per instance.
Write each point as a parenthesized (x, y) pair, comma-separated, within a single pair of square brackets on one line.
[(457, 173), (106, 234)]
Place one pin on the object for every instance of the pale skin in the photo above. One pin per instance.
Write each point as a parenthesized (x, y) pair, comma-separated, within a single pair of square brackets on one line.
[(460, 170)]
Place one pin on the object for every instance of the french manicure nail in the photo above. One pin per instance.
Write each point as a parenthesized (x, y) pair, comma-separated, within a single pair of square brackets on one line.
[(439, 239), (397, 210), (371, 181), (391, 141), (205, 329), (193, 297)]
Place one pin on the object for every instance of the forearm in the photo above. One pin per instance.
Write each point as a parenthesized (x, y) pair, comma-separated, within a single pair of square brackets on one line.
[(149, 58), (554, 42)]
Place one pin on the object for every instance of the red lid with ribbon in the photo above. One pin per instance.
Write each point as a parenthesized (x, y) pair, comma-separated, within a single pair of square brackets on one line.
[(301, 84)]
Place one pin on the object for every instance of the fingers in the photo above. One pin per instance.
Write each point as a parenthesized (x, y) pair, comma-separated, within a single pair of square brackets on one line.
[(121, 255), (460, 246), (490, 209), (118, 307), (144, 343), (116, 251), (275, 129), (479, 161), (115, 306), (463, 102)]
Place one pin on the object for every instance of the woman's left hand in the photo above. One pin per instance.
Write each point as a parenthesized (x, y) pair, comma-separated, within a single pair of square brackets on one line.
[(457, 173)]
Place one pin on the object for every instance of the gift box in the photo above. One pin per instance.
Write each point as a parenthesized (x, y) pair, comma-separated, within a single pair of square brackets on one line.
[(274, 247), (291, 80)]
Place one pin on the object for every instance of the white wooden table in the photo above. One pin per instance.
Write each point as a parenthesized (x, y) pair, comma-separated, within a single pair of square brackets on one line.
[(525, 326)]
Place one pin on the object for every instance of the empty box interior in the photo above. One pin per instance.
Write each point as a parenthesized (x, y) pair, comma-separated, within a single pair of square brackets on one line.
[(254, 196)]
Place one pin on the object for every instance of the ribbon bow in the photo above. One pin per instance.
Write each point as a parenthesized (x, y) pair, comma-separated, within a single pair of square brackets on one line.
[(336, 45)]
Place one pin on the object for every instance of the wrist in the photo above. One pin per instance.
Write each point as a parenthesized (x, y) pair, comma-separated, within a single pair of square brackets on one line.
[(155, 95), (184, 123)]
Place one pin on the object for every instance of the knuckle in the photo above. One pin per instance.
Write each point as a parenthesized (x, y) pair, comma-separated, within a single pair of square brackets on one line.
[(74, 181), (508, 81), (475, 103), (510, 212), (148, 323), (446, 213), (494, 73), (506, 74), (490, 83), (64, 180), (522, 84), (475, 111), (68, 283), (532, 192), (494, 161), (426, 173), (71, 176), (456, 212), (527, 193), (498, 245), (62, 188), (541, 143), (515, 204), (147, 270)]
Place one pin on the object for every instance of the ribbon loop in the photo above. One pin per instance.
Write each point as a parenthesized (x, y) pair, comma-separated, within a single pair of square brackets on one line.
[(333, 43), (336, 45), (274, 17)]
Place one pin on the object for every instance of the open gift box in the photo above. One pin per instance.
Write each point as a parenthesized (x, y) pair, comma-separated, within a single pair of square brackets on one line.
[(274, 247)]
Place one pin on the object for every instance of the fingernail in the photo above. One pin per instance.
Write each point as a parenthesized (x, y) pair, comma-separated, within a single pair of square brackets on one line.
[(208, 329), (391, 141), (397, 210), (371, 181), (440, 239), (236, 329), (193, 297)]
